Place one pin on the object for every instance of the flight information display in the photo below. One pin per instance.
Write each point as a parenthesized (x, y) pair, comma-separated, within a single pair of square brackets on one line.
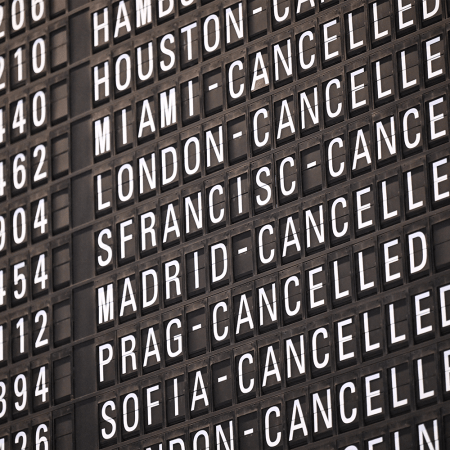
[(224, 224)]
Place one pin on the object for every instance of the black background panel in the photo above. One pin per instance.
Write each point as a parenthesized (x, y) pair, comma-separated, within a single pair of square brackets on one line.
[(224, 224)]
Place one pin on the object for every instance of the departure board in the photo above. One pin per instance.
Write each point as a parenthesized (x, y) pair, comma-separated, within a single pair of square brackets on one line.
[(224, 224)]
